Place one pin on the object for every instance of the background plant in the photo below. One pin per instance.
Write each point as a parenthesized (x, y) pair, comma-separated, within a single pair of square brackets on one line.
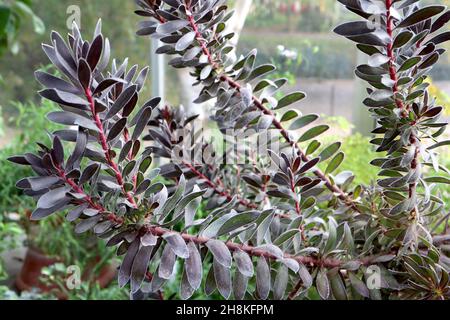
[(12, 15)]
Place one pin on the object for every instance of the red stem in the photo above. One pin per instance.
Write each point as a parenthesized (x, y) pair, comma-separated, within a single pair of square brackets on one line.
[(258, 103), (399, 103), (252, 251), (106, 149), (200, 40), (126, 136), (391, 55), (78, 189), (341, 194), (255, 252)]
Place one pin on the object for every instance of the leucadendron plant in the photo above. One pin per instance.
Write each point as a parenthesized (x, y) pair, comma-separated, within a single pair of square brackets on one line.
[(271, 225)]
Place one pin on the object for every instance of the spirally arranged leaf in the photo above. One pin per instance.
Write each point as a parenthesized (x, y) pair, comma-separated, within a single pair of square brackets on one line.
[(127, 264), (303, 121), (186, 291), (177, 244), (167, 263), (323, 284), (281, 282), (240, 284), (139, 268), (193, 267), (244, 263), (421, 15), (263, 278), (335, 163), (222, 275), (220, 252)]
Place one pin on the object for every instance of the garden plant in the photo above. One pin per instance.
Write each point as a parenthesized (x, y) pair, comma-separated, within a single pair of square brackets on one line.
[(261, 216)]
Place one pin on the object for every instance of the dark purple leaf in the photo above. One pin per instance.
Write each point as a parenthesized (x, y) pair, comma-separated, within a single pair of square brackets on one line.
[(63, 50), (127, 264), (21, 160), (104, 61), (71, 119), (121, 102), (240, 284), (76, 213), (80, 147), (176, 242), (263, 278), (142, 123), (281, 282), (186, 291), (84, 74), (63, 67), (210, 283), (64, 98), (193, 266), (87, 224), (222, 275), (149, 239), (106, 84), (40, 183), (167, 263), (220, 252), (95, 52), (58, 151), (141, 78), (117, 129), (88, 173), (244, 263), (41, 213), (53, 197), (52, 82), (140, 266)]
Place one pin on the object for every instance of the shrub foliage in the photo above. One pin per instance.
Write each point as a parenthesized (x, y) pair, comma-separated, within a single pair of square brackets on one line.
[(275, 226)]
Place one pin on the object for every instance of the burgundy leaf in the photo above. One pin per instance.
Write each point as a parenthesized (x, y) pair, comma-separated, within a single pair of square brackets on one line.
[(95, 52), (127, 264), (263, 278), (176, 242), (167, 263), (87, 224), (220, 252), (84, 74), (222, 275), (117, 129), (140, 266), (193, 266), (120, 103), (52, 82)]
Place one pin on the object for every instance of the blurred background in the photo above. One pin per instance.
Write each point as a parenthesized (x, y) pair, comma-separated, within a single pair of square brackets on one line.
[(295, 35)]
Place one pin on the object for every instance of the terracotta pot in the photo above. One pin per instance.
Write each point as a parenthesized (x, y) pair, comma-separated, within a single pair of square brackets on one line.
[(35, 261), (29, 275)]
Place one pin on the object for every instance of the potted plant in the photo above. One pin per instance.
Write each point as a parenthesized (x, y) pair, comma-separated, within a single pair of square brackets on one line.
[(10, 233), (92, 258), (277, 226)]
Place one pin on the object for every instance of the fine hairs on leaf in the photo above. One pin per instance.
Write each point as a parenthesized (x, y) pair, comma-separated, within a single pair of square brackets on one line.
[(273, 226)]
